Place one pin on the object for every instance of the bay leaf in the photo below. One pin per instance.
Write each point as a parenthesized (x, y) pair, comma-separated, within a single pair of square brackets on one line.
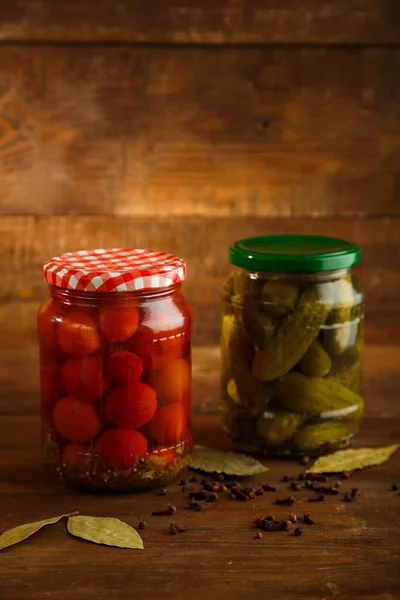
[(353, 459), (211, 460), (105, 530), (21, 532)]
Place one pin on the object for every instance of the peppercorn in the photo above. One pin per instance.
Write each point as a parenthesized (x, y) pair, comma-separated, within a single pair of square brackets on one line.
[(308, 519), (286, 478), (175, 528), (347, 497), (197, 505), (302, 476), (204, 495), (193, 479), (221, 476), (142, 525), (317, 477), (296, 487), (395, 487), (337, 484), (259, 491), (268, 488), (184, 488), (162, 492), (298, 531), (305, 460), (286, 501), (329, 489), (211, 487), (355, 492), (183, 482), (170, 510), (258, 535), (346, 474), (286, 524)]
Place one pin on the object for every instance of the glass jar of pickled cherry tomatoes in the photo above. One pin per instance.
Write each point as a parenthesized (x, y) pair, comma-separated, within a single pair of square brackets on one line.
[(115, 369)]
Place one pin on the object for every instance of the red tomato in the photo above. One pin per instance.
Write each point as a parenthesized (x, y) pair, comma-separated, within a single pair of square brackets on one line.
[(164, 330), (131, 406), (169, 426), (172, 382), (121, 448), (51, 387), (49, 315), (118, 323), (83, 378), (75, 455), (77, 334), (77, 421), (124, 367)]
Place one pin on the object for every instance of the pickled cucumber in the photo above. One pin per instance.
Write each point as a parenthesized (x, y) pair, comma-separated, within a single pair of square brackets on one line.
[(310, 438), (278, 427), (246, 286), (232, 391), (338, 331), (351, 378), (279, 297), (240, 424), (319, 397), (295, 335), (236, 359), (256, 323), (316, 362)]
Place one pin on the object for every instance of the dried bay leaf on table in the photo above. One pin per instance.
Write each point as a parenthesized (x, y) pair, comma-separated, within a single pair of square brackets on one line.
[(20, 533), (353, 459), (105, 530), (211, 460)]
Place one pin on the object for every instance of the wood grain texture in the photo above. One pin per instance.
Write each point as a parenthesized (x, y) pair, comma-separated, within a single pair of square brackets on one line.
[(209, 21), (27, 242), (19, 394), (351, 552), (199, 131)]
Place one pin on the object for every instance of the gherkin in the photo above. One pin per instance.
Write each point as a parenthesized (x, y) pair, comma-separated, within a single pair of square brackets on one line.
[(311, 438), (295, 335), (278, 429), (316, 362), (279, 297), (338, 324), (317, 396)]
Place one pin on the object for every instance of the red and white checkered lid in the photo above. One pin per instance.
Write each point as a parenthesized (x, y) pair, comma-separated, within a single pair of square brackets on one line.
[(114, 270)]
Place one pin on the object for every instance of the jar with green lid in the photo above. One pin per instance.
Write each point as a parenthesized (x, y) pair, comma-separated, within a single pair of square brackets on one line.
[(291, 345)]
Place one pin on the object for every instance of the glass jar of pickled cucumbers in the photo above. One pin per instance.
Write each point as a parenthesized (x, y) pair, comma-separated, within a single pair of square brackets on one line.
[(291, 345)]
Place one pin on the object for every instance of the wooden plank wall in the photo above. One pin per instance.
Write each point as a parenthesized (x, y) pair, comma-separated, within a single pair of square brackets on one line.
[(185, 125)]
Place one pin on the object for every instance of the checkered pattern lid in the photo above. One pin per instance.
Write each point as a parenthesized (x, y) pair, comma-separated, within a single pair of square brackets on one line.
[(114, 270)]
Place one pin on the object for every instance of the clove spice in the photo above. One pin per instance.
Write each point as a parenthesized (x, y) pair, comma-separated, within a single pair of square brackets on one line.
[(175, 528), (170, 510), (285, 501)]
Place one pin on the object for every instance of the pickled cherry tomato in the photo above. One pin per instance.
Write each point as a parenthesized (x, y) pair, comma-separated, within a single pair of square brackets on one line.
[(49, 315), (51, 387), (162, 333), (77, 421), (172, 382), (169, 425), (78, 334), (118, 323), (131, 406), (83, 378), (124, 367), (122, 448), (74, 455)]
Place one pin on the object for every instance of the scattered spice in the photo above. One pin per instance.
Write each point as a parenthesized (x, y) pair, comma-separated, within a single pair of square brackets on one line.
[(317, 477), (319, 498), (175, 528), (268, 488), (238, 493), (204, 495), (193, 479), (231, 484), (337, 484), (258, 535), (162, 492), (211, 487), (221, 476), (347, 497), (305, 460), (302, 477), (346, 475), (285, 501), (259, 491), (329, 489), (308, 519), (197, 505), (286, 524), (286, 478), (395, 487), (295, 486), (183, 482), (170, 510), (293, 517), (298, 531), (355, 492), (184, 488), (142, 525)]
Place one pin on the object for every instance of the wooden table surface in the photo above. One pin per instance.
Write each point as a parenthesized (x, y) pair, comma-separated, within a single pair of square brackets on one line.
[(352, 551)]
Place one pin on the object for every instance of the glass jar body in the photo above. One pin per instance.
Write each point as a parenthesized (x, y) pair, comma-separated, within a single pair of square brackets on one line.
[(291, 347), (115, 372)]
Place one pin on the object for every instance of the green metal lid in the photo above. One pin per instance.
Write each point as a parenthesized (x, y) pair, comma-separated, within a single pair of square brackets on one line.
[(293, 253)]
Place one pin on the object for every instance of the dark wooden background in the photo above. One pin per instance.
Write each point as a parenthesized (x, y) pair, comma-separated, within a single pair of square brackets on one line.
[(185, 125)]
